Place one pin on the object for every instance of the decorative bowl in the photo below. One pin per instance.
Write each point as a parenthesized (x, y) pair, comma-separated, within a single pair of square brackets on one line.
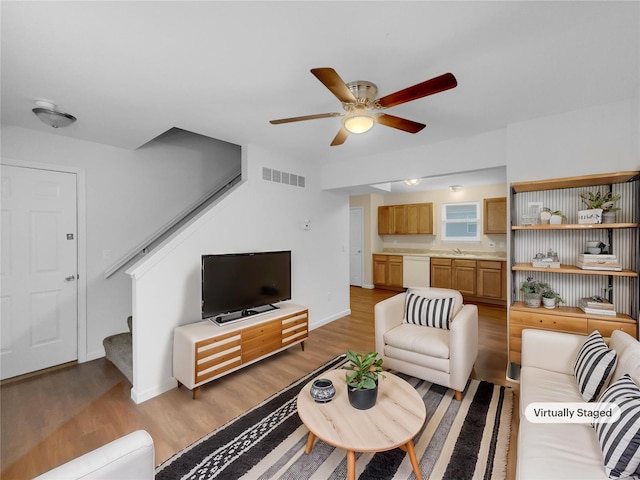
[(322, 390)]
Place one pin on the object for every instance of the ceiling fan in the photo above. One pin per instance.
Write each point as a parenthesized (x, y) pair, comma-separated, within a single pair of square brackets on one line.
[(359, 98)]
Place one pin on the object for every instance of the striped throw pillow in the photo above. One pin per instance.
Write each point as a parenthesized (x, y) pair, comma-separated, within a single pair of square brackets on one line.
[(594, 366), (620, 440), (428, 312)]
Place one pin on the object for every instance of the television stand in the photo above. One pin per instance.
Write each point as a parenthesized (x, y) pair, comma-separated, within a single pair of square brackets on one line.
[(203, 352), (242, 314)]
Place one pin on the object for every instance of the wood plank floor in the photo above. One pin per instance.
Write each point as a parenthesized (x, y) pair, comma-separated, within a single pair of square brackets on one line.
[(51, 418)]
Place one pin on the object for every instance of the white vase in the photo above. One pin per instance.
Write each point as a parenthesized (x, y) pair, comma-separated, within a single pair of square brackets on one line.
[(548, 302), (555, 220)]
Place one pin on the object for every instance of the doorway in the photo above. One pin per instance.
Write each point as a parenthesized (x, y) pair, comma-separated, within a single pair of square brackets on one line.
[(40, 307), (356, 245)]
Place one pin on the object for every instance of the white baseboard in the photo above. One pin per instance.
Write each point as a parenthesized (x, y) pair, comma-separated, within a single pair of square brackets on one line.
[(324, 321), (165, 386), (368, 286)]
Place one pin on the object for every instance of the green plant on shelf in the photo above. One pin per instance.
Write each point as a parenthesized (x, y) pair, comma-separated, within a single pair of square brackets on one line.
[(605, 201), (549, 292)]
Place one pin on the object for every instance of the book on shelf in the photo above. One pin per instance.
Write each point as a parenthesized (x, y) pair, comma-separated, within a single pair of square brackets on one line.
[(597, 303), (595, 258), (598, 311), (612, 267)]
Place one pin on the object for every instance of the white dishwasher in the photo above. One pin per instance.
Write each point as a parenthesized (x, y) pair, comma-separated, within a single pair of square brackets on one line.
[(416, 271)]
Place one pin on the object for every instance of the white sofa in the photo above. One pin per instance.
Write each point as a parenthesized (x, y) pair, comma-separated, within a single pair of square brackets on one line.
[(130, 457), (562, 450), (444, 357)]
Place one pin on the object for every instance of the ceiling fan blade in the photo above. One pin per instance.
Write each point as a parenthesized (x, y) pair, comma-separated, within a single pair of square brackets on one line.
[(305, 117), (399, 123), (331, 80), (340, 138), (428, 87)]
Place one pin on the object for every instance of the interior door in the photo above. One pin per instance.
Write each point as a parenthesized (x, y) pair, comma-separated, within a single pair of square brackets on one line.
[(355, 246), (39, 270)]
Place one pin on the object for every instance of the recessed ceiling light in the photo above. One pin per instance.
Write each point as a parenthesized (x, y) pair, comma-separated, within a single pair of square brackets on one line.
[(413, 181)]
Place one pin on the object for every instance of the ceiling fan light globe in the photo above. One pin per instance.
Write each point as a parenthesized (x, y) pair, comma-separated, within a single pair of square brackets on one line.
[(54, 118), (358, 123)]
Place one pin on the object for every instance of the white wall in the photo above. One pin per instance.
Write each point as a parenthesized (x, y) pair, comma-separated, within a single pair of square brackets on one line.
[(458, 155), (595, 140), (129, 194), (258, 216), (599, 139)]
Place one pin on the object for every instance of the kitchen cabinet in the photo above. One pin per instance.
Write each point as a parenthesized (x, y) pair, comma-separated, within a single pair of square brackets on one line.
[(387, 271), (495, 216), (492, 279), (568, 241), (477, 280), (454, 273), (414, 219), (464, 276), (392, 220), (442, 273), (385, 220), (420, 218)]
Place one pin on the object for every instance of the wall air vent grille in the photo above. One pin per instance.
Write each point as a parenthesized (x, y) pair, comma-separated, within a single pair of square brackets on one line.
[(277, 176)]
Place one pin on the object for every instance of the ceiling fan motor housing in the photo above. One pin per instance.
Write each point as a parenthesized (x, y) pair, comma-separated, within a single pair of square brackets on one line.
[(365, 92)]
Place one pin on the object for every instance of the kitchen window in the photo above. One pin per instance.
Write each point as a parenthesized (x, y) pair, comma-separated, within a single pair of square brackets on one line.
[(460, 222)]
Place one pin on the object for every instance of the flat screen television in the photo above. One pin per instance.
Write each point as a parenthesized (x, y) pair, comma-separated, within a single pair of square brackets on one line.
[(238, 285)]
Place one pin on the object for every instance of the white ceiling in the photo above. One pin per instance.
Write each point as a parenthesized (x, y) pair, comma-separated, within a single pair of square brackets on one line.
[(131, 70)]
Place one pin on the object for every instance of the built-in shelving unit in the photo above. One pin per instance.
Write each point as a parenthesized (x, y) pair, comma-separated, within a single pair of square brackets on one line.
[(568, 240)]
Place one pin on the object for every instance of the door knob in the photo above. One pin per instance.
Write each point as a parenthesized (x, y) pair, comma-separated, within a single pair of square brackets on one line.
[(70, 278)]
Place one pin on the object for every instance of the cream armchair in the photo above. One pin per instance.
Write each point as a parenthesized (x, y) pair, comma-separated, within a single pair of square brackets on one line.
[(438, 355), (131, 457)]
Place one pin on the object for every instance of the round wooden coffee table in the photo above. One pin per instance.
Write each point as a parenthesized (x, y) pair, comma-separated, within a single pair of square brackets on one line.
[(396, 418)]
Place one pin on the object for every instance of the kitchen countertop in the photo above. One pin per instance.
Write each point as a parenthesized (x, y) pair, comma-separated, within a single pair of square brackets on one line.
[(470, 254)]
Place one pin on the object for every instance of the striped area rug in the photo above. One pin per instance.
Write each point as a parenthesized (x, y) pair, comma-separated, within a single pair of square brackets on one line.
[(460, 440)]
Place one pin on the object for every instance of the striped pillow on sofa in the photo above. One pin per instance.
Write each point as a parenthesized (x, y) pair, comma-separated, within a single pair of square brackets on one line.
[(594, 366), (428, 312), (620, 440)]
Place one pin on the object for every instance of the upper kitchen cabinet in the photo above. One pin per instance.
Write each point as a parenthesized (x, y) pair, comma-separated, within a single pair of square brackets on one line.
[(495, 215), (412, 219), (420, 218)]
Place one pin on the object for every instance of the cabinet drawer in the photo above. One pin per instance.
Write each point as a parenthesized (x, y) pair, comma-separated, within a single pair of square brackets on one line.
[(549, 322), (260, 345), (295, 335), (217, 369), (295, 329), (261, 330), (441, 261), (490, 265), (217, 345), (464, 263), (606, 327)]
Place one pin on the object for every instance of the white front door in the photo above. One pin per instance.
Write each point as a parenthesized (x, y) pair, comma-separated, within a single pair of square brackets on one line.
[(355, 246), (39, 324)]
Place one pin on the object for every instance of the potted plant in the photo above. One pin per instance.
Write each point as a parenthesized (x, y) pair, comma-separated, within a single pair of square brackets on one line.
[(557, 217), (550, 298), (604, 202), (362, 382), (532, 290)]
